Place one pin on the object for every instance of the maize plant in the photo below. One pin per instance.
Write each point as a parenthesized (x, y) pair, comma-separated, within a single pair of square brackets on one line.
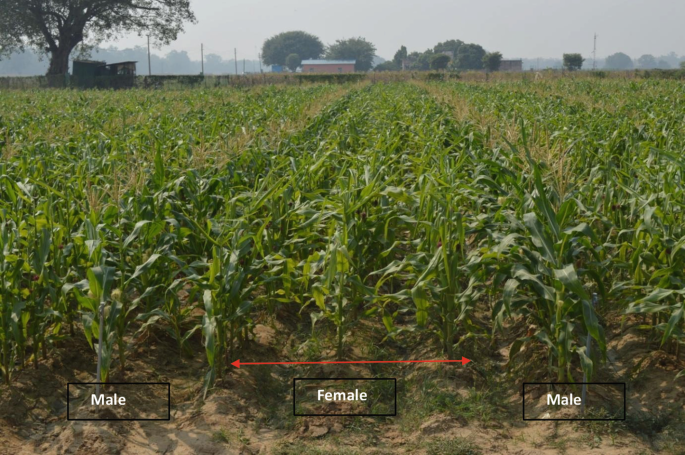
[(227, 291)]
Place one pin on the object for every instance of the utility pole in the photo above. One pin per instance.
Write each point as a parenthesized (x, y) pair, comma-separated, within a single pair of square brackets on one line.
[(594, 54), (259, 56), (149, 65), (243, 66), (235, 59), (202, 57)]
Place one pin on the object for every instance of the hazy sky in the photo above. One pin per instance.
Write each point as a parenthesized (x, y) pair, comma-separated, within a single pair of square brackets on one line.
[(532, 28)]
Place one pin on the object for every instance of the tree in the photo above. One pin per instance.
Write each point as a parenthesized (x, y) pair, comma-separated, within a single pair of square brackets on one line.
[(469, 57), (399, 56), (293, 61), (452, 46), (421, 61), (682, 65), (492, 61), (672, 59), (353, 49), (573, 62), (440, 61), (390, 65), (647, 62), (619, 61), (215, 64), (178, 62), (276, 49), (663, 64), (56, 27)]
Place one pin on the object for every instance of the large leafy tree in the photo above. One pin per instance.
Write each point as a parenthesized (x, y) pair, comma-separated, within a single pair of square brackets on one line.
[(663, 64), (452, 46), (293, 61), (421, 61), (440, 61), (573, 62), (353, 49), (647, 62), (276, 49), (56, 27), (400, 55), (619, 61), (492, 61), (469, 57)]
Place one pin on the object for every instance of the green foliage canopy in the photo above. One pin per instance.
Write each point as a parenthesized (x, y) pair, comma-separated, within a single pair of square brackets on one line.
[(387, 66), (293, 61), (358, 49), (619, 61), (573, 62), (469, 57), (276, 49), (440, 61), (647, 62), (492, 61), (56, 27), (421, 61), (400, 55), (452, 46)]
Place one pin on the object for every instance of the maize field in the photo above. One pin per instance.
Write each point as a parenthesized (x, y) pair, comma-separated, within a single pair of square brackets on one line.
[(452, 213)]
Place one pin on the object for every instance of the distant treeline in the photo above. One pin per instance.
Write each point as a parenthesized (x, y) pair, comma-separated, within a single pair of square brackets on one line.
[(175, 62), (646, 62)]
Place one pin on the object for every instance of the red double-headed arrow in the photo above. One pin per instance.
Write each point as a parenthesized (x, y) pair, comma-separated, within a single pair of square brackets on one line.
[(238, 364)]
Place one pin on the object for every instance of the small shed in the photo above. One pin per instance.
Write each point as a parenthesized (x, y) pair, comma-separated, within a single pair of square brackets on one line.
[(511, 65), (119, 69), (94, 73), (85, 72), (328, 66)]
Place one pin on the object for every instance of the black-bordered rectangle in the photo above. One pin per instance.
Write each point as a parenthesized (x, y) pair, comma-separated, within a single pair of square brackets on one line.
[(343, 415), (168, 395), (523, 407)]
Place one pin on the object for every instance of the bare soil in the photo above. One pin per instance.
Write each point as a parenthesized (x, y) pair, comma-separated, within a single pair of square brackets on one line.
[(250, 409)]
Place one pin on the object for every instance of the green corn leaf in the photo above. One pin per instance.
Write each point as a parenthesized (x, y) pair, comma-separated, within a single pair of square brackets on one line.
[(422, 302), (143, 268), (585, 362), (592, 324), (100, 280), (569, 278), (539, 237), (673, 321), (135, 233)]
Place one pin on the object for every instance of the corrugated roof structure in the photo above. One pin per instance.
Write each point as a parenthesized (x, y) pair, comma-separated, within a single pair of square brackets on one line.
[(328, 62)]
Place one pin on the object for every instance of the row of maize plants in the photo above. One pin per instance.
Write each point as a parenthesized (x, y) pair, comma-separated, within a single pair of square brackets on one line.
[(107, 197), (612, 166)]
